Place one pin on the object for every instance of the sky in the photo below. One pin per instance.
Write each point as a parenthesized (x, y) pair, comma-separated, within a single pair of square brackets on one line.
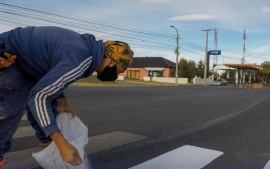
[(146, 25)]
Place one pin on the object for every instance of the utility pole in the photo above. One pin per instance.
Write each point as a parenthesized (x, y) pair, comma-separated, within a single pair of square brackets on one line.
[(177, 53), (215, 56), (206, 54), (243, 61), (244, 46)]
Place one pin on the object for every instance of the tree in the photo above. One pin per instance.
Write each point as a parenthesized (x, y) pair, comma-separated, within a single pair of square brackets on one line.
[(187, 69), (200, 69), (183, 68), (224, 74), (191, 69), (265, 73)]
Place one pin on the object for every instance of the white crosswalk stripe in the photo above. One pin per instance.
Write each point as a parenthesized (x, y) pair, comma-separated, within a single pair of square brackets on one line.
[(267, 166), (24, 159), (24, 131), (96, 143), (185, 157), (188, 157), (24, 117)]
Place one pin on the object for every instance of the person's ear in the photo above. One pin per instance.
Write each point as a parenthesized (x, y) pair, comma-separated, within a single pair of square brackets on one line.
[(111, 63), (102, 65)]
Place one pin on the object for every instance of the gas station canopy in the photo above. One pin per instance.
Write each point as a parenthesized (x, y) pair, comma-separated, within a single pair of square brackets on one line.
[(244, 66), (223, 67)]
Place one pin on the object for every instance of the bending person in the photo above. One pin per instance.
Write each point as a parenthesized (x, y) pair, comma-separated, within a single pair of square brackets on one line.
[(48, 60)]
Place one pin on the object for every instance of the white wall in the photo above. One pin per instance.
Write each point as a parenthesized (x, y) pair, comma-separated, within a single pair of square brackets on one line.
[(199, 81), (167, 80), (120, 78)]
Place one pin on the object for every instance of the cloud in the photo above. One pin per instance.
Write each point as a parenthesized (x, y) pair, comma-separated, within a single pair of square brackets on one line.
[(193, 17), (265, 9), (5, 28), (262, 49), (155, 1)]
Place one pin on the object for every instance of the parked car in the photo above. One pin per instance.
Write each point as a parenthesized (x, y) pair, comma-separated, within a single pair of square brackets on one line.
[(220, 82)]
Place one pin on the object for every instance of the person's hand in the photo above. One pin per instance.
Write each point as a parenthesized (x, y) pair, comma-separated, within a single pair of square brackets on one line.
[(64, 106), (7, 62), (68, 152)]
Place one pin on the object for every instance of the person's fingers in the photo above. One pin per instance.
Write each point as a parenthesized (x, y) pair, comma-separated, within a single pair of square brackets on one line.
[(1, 65), (79, 158), (73, 113), (76, 161), (5, 64), (12, 58), (8, 55), (3, 59)]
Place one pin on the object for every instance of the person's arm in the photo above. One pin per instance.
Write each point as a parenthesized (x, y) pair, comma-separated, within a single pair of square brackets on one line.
[(68, 152), (50, 87), (6, 62)]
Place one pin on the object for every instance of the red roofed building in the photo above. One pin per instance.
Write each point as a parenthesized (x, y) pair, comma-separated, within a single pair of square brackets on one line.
[(149, 66)]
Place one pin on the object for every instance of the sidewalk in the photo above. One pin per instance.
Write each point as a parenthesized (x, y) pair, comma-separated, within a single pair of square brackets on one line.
[(93, 81)]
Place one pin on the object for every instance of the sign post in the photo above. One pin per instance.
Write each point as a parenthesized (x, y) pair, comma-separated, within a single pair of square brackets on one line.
[(211, 52), (214, 52)]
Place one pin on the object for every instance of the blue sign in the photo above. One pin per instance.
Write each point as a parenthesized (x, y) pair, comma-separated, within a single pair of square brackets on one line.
[(214, 52)]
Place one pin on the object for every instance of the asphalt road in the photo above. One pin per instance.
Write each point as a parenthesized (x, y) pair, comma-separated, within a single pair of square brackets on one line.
[(233, 121)]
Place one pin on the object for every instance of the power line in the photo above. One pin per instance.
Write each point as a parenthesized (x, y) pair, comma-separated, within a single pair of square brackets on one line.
[(135, 36)]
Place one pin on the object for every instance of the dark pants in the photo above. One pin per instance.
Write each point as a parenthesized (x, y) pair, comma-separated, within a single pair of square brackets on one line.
[(14, 90)]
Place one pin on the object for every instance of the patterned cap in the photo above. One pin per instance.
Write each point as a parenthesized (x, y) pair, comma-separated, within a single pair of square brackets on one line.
[(119, 52)]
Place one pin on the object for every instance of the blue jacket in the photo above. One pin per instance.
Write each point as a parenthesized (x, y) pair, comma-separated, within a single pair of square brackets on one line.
[(54, 57)]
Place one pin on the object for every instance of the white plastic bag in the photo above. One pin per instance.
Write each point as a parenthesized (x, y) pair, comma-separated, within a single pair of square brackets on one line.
[(76, 133)]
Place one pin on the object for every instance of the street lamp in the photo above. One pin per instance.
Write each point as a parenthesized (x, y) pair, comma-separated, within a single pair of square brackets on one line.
[(177, 53)]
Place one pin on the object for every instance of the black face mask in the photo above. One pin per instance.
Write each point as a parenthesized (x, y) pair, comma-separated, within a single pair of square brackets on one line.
[(108, 74)]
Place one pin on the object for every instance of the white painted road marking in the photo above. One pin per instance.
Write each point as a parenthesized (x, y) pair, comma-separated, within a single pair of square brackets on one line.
[(24, 132), (186, 157), (24, 117), (23, 159), (267, 166)]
